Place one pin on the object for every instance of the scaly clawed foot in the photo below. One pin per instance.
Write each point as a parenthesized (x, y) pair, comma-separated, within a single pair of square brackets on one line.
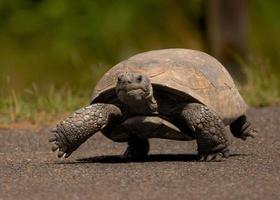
[(70, 133), (217, 156), (248, 131), (60, 143)]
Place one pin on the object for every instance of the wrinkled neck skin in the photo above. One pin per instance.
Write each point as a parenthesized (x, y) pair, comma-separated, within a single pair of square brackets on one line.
[(136, 94), (147, 106)]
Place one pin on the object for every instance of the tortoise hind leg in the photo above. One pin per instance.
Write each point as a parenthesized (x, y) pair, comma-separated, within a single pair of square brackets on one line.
[(209, 131), (137, 149), (70, 133), (242, 129)]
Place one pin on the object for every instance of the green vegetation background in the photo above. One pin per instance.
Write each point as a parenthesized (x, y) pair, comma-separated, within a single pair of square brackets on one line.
[(53, 52)]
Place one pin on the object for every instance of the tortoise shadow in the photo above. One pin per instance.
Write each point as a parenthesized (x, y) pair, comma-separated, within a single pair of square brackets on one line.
[(149, 158), (114, 159)]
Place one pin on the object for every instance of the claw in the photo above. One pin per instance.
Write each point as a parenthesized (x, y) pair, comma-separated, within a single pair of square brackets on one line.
[(253, 133), (55, 147), (52, 139), (54, 135), (214, 156), (201, 157), (57, 144), (54, 130), (218, 157), (248, 131), (226, 154), (60, 154), (245, 126), (63, 156), (210, 157)]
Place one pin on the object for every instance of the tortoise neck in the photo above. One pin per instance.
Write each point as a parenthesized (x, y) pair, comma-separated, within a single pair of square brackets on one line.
[(138, 99), (146, 106)]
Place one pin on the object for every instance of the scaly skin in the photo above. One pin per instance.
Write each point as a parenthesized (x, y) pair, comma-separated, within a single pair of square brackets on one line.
[(209, 130), (135, 91), (70, 133)]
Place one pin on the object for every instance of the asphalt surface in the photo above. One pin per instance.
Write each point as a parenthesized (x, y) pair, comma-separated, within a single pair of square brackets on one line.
[(28, 169)]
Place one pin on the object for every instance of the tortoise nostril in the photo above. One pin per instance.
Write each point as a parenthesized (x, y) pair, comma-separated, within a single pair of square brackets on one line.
[(139, 78), (120, 78)]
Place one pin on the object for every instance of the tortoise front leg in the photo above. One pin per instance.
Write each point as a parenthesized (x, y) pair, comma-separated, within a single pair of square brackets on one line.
[(70, 133), (209, 130)]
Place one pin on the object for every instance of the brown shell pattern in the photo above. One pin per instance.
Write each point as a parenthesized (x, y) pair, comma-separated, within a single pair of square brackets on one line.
[(186, 72)]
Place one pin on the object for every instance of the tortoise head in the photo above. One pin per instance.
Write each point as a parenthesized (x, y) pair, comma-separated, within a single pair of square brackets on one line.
[(135, 89), (133, 86)]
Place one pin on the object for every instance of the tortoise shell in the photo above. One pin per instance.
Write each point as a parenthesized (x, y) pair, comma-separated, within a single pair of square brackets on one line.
[(184, 72)]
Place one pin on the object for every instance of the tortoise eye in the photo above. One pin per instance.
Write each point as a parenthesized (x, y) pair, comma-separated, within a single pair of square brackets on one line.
[(139, 78)]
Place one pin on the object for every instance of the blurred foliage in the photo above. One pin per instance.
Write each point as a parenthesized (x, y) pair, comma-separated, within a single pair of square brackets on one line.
[(61, 48), (76, 41), (264, 33)]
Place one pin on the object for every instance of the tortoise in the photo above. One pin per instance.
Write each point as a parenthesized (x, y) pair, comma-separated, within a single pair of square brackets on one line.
[(176, 94)]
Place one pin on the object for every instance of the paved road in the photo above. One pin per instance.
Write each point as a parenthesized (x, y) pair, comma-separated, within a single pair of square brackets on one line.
[(28, 170)]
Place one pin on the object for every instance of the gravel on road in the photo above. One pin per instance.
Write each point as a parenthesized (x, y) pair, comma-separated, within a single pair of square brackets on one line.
[(28, 169)]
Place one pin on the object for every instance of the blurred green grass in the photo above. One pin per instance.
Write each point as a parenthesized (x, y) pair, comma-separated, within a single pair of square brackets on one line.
[(53, 52)]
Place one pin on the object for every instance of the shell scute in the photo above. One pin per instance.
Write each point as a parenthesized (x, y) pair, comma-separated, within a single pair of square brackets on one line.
[(184, 72)]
